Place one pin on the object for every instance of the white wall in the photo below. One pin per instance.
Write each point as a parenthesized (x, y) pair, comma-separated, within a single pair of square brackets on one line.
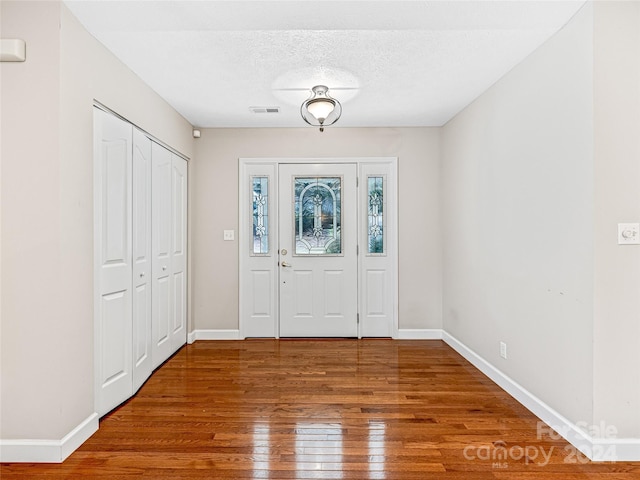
[(215, 274), (518, 202), (32, 333), (47, 211), (617, 195)]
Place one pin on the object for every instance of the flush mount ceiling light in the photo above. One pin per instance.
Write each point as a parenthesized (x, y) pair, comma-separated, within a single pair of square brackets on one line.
[(320, 110)]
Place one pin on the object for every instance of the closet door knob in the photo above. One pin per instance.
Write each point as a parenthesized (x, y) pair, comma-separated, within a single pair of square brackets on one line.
[(164, 267)]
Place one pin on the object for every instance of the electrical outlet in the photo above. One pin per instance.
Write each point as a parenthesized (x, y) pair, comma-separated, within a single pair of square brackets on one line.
[(229, 235), (503, 350)]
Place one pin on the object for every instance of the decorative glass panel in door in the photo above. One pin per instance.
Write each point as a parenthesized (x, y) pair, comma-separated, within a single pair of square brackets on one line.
[(375, 214), (260, 205), (318, 215)]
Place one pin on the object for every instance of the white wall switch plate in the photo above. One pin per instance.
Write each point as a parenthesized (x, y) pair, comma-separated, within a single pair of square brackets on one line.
[(229, 235), (629, 234), (503, 350)]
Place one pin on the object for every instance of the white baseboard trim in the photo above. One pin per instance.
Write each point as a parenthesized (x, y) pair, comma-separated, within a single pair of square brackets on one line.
[(596, 449), (615, 450), (48, 451), (214, 334), (419, 334)]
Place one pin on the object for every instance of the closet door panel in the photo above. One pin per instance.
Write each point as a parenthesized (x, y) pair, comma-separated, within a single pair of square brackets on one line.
[(113, 269), (162, 317), (142, 361), (179, 251), (179, 332), (162, 314), (140, 231)]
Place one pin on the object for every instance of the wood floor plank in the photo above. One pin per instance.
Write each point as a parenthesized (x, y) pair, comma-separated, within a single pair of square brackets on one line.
[(320, 409)]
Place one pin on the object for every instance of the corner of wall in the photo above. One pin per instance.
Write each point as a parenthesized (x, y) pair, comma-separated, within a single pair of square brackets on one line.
[(517, 180), (48, 451), (617, 200)]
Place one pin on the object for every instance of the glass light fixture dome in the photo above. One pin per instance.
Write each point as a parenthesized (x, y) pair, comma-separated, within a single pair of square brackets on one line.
[(321, 110)]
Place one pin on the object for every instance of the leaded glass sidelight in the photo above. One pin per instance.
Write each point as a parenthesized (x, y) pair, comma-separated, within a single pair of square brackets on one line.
[(318, 215), (375, 230), (260, 188)]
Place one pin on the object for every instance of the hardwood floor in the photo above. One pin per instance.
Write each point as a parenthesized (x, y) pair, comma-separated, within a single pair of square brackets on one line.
[(321, 409)]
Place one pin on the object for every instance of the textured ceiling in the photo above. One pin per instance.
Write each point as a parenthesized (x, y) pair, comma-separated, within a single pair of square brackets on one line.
[(390, 63)]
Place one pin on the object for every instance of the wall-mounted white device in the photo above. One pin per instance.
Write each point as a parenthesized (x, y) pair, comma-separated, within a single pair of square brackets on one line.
[(13, 50), (629, 234)]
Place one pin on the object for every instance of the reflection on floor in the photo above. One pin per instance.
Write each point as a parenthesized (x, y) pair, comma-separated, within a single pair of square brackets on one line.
[(326, 409)]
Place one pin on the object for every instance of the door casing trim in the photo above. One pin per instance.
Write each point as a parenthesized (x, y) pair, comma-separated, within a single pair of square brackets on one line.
[(244, 233)]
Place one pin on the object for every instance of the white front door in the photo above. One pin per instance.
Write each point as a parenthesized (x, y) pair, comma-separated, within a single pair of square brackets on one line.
[(318, 269)]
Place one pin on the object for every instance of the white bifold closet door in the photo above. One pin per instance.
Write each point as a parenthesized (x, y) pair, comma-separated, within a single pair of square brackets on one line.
[(141, 228), (169, 252), (140, 252), (178, 251), (113, 276), (161, 221)]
